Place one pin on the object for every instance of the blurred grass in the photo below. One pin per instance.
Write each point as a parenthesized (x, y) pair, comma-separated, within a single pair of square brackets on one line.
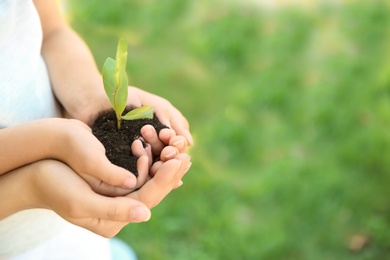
[(290, 112)]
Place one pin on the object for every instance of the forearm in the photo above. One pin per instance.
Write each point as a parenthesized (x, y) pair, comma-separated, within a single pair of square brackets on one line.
[(23, 144), (16, 192), (27, 143), (75, 78)]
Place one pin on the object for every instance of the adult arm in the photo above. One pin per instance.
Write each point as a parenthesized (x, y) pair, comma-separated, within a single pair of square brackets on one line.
[(77, 82), (75, 79), (45, 184)]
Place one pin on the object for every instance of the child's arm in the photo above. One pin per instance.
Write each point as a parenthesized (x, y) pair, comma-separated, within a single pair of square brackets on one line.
[(69, 141)]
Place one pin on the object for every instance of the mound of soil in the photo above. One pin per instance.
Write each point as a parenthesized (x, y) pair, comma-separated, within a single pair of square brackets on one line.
[(118, 142)]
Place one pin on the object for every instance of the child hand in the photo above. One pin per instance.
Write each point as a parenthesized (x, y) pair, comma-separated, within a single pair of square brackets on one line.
[(86, 156), (71, 142), (53, 185)]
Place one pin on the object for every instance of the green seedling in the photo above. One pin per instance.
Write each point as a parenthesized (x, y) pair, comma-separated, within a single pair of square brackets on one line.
[(116, 86)]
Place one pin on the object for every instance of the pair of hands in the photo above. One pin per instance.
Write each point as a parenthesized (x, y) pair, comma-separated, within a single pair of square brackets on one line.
[(80, 149), (59, 188), (84, 188)]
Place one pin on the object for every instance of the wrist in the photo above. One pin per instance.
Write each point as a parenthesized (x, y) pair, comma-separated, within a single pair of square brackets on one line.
[(40, 186), (17, 189), (62, 135), (53, 138), (86, 105)]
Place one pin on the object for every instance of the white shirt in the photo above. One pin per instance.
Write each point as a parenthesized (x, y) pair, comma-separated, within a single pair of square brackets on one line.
[(25, 95), (25, 92)]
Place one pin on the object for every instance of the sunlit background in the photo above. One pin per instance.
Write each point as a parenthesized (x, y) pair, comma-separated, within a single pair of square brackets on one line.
[(289, 106)]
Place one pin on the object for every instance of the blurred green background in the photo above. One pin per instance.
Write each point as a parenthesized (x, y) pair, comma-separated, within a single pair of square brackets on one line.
[(290, 111)]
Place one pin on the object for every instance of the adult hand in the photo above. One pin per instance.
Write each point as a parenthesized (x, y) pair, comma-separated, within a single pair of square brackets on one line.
[(71, 142), (83, 152), (86, 156), (56, 186)]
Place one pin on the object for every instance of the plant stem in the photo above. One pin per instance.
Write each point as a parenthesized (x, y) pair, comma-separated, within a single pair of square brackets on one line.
[(119, 121)]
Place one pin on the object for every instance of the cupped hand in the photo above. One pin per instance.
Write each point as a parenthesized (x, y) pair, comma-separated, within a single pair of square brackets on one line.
[(83, 152), (164, 110), (57, 187)]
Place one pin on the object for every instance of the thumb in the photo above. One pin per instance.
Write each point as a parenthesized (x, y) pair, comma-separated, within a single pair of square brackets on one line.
[(107, 216), (111, 174), (119, 209)]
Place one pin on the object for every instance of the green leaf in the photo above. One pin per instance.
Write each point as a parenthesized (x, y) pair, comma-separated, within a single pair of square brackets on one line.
[(121, 59), (115, 80), (117, 94), (139, 113), (109, 80), (121, 96)]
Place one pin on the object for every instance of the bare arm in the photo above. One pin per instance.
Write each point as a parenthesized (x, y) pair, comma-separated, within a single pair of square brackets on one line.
[(77, 82), (45, 184), (24, 144), (71, 142), (75, 79)]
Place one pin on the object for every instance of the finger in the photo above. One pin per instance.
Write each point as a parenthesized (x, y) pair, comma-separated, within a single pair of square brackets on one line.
[(179, 142), (186, 158), (149, 154), (160, 185), (143, 170), (169, 152), (102, 227), (155, 168), (166, 134), (121, 209), (180, 124), (109, 228), (178, 184), (79, 204), (111, 191), (139, 150), (166, 178), (109, 173), (150, 135), (81, 124), (103, 188)]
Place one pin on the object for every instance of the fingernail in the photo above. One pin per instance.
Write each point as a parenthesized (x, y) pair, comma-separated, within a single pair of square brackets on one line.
[(189, 138), (178, 165), (171, 154), (140, 214), (147, 132), (179, 184), (188, 167), (178, 142)]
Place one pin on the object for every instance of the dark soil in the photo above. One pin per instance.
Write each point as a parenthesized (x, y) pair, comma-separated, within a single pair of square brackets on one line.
[(118, 142)]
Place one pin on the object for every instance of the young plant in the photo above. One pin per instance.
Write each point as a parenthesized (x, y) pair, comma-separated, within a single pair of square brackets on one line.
[(116, 86)]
